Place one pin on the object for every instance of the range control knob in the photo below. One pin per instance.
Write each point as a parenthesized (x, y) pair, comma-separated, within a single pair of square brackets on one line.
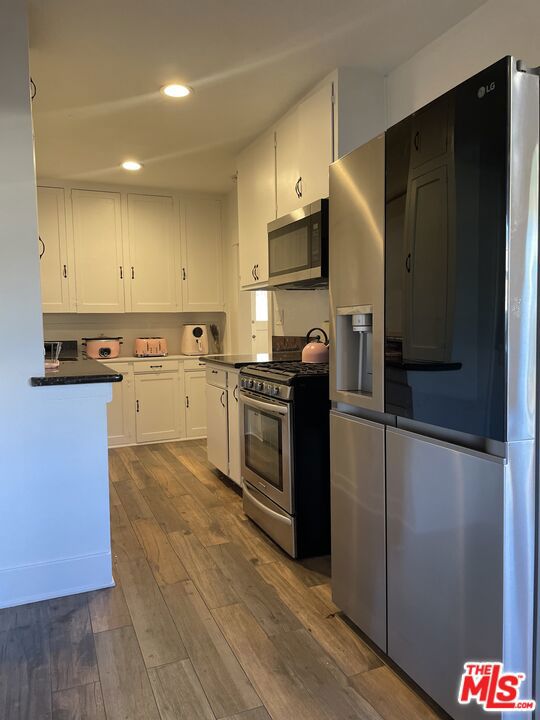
[(250, 383), (275, 390), (243, 382), (260, 386)]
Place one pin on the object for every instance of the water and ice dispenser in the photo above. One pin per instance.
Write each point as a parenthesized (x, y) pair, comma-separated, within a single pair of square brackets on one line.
[(354, 357)]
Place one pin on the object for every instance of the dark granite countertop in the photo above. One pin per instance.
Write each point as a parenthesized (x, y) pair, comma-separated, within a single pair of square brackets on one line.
[(240, 361), (77, 372)]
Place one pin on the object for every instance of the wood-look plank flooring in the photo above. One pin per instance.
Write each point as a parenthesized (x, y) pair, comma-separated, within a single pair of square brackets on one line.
[(209, 619)]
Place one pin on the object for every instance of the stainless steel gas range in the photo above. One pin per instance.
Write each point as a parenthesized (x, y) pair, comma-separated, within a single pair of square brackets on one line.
[(285, 453)]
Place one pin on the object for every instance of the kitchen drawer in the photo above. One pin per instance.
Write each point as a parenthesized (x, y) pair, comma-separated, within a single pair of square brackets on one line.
[(232, 379), (125, 368), (194, 364), (156, 366), (216, 377)]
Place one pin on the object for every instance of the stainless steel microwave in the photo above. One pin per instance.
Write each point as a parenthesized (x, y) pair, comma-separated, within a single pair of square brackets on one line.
[(298, 248)]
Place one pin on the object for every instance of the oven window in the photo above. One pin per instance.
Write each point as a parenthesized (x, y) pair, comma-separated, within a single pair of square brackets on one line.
[(263, 446), (289, 248)]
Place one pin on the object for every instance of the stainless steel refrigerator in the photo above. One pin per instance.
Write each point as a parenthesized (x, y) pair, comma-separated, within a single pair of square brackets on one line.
[(433, 290)]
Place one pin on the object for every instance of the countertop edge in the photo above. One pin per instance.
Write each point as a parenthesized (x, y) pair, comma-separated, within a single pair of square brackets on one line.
[(83, 372)]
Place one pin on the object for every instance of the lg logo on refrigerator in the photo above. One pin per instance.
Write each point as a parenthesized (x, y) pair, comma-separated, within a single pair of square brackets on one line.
[(485, 89)]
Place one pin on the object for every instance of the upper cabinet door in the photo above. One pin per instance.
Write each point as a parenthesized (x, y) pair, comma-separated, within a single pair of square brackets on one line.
[(97, 232), (256, 207), (54, 265), (202, 268), (153, 262), (316, 143), (288, 180)]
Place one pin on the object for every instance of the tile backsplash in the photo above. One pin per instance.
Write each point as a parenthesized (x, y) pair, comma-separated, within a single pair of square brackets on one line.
[(130, 326)]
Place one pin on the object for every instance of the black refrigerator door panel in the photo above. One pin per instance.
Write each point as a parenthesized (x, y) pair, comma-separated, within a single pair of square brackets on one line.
[(445, 254)]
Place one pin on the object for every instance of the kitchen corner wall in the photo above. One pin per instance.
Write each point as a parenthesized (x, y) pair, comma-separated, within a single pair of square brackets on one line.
[(130, 326)]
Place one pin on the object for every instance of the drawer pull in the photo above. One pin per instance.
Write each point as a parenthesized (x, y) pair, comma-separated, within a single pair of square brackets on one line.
[(155, 367)]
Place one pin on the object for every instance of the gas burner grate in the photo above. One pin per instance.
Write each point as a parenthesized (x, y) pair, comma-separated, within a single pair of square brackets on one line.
[(288, 369)]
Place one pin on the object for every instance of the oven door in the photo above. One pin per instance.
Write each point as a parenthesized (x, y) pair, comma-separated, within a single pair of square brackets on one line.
[(266, 447)]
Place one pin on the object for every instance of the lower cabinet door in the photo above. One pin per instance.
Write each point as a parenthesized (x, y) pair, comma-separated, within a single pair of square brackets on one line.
[(157, 402), (358, 523), (217, 430), (445, 563), (121, 409), (195, 397), (233, 414)]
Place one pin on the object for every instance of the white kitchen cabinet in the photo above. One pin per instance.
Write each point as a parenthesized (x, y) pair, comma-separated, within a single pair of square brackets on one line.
[(288, 173), (121, 410), (195, 401), (157, 405), (152, 273), (99, 263), (202, 266), (233, 422), (256, 208), (53, 249), (217, 430), (316, 143)]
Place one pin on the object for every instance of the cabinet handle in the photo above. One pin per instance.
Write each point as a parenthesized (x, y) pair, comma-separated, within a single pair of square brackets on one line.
[(183, 273), (221, 398), (214, 372), (417, 140), (408, 263), (235, 393), (132, 273), (300, 187), (297, 188), (121, 273), (65, 271), (253, 272), (187, 401), (137, 403), (155, 367), (257, 272), (42, 253)]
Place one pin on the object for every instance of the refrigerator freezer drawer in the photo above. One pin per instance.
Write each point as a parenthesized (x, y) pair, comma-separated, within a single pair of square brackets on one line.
[(445, 562), (358, 523)]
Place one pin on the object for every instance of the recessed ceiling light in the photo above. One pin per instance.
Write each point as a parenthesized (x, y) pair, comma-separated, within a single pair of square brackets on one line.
[(176, 91), (131, 165)]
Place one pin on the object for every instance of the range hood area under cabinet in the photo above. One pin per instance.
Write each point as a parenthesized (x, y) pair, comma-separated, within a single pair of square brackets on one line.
[(113, 252), (286, 168)]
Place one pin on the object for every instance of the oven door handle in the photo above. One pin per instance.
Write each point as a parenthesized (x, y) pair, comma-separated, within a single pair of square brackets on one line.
[(265, 508), (269, 407)]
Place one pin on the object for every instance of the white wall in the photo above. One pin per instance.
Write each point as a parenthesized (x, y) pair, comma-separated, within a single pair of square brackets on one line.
[(496, 29), (297, 311), (54, 528)]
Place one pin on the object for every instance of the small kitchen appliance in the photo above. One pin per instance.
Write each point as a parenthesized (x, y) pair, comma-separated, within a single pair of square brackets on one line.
[(194, 340), (285, 441), (102, 347), (298, 248), (150, 347), (316, 351)]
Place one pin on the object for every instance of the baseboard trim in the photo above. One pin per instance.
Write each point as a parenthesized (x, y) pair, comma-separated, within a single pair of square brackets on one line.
[(43, 581)]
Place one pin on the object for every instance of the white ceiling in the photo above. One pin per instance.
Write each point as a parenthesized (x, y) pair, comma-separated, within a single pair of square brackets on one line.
[(98, 67)]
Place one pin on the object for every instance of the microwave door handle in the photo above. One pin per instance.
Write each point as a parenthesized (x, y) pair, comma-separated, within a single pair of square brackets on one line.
[(269, 407)]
